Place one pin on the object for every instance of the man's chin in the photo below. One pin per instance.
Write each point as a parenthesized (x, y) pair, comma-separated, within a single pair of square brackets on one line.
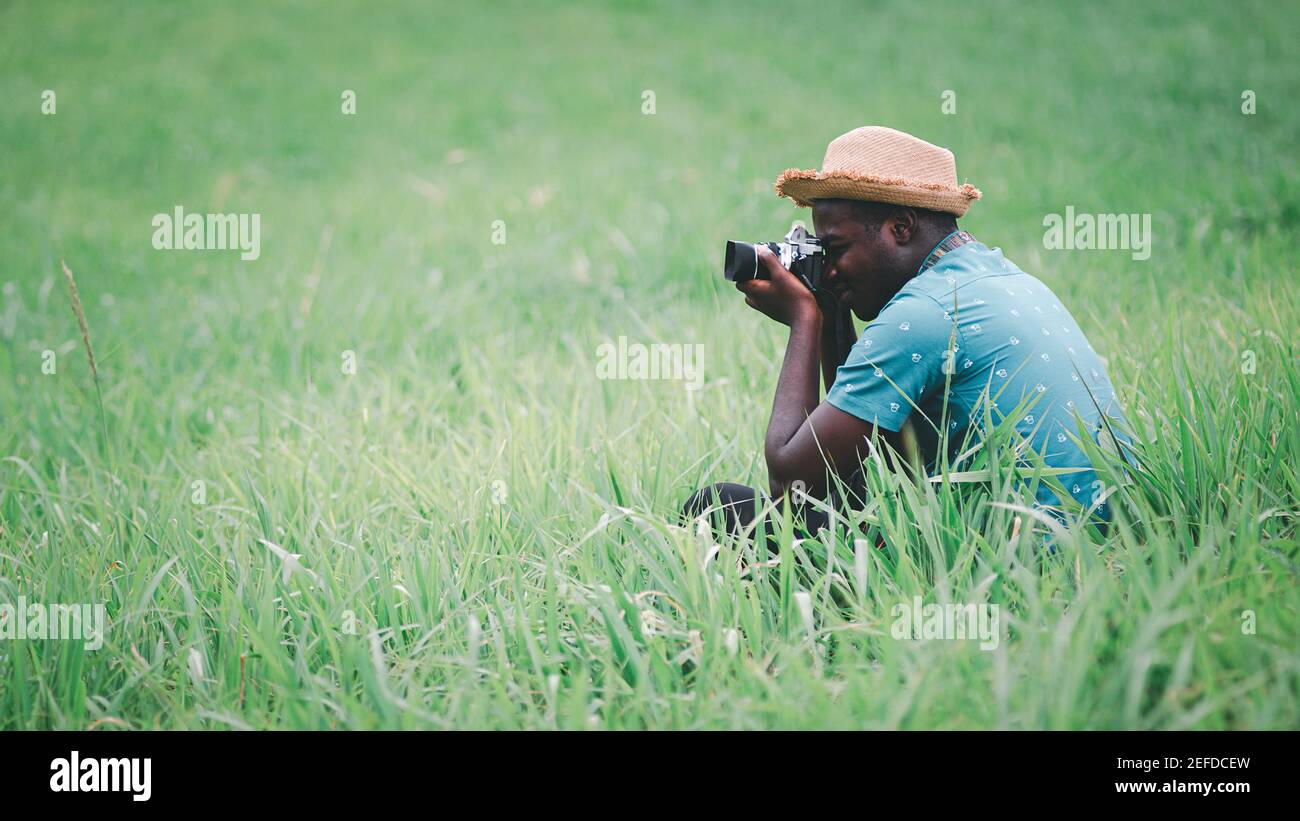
[(866, 309), (862, 311)]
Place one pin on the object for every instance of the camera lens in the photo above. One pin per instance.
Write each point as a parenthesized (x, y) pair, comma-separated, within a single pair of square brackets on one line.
[(741, 264)]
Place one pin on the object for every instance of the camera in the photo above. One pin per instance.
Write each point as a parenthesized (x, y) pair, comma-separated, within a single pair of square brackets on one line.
[(800, 253)]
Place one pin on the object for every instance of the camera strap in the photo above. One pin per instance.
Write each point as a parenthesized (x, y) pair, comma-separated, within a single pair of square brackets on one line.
[(842, 333)]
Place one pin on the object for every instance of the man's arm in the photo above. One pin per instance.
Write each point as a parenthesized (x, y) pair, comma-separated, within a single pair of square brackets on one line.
[(829, 441), (805, 438), (797, 396), (803, 434)]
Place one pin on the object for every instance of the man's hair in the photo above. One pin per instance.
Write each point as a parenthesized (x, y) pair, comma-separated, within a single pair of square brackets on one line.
[(873, 214)]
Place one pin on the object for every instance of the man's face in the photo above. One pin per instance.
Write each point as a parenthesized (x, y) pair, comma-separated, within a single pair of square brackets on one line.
[(861, 265)]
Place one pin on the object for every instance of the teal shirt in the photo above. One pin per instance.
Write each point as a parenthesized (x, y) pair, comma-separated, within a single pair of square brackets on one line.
[(1014, 341)]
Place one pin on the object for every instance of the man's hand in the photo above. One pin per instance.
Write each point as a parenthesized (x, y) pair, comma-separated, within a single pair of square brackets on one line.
[(782, 296)]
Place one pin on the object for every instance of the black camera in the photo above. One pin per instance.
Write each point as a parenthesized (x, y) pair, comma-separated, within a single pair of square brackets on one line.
[(800, 253)]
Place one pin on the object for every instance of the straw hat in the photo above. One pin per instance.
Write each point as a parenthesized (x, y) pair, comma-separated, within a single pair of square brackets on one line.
[(882, 165)]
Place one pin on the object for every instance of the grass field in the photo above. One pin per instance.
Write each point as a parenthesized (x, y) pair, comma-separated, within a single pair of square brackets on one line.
[(474, 531)]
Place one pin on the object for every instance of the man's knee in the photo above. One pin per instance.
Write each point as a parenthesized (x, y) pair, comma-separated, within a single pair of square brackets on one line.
[(730, 505), (732, 509), (724, 495)]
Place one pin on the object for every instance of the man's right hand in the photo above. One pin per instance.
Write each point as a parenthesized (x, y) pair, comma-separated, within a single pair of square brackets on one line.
[(782, 296)]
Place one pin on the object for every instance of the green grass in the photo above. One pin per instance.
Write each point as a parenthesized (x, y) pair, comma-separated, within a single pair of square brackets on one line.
[(522, 604)]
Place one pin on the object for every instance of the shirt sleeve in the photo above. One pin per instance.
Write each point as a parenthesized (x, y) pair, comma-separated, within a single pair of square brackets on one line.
[(896, 363)]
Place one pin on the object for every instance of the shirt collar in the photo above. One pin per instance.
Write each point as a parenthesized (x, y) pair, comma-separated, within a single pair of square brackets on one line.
[(951, 242)]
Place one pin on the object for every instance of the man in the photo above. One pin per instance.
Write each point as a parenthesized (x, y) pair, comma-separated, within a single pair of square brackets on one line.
[(955, 331)]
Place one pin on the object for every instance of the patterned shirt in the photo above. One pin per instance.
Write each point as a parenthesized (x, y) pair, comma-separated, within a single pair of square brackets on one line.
[(1001, 340)]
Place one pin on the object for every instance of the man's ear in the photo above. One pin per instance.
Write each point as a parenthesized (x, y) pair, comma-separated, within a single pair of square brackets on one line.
[(902, 225)]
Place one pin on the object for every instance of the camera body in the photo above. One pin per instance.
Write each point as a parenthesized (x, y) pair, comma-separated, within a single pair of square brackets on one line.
[(800, 253)]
